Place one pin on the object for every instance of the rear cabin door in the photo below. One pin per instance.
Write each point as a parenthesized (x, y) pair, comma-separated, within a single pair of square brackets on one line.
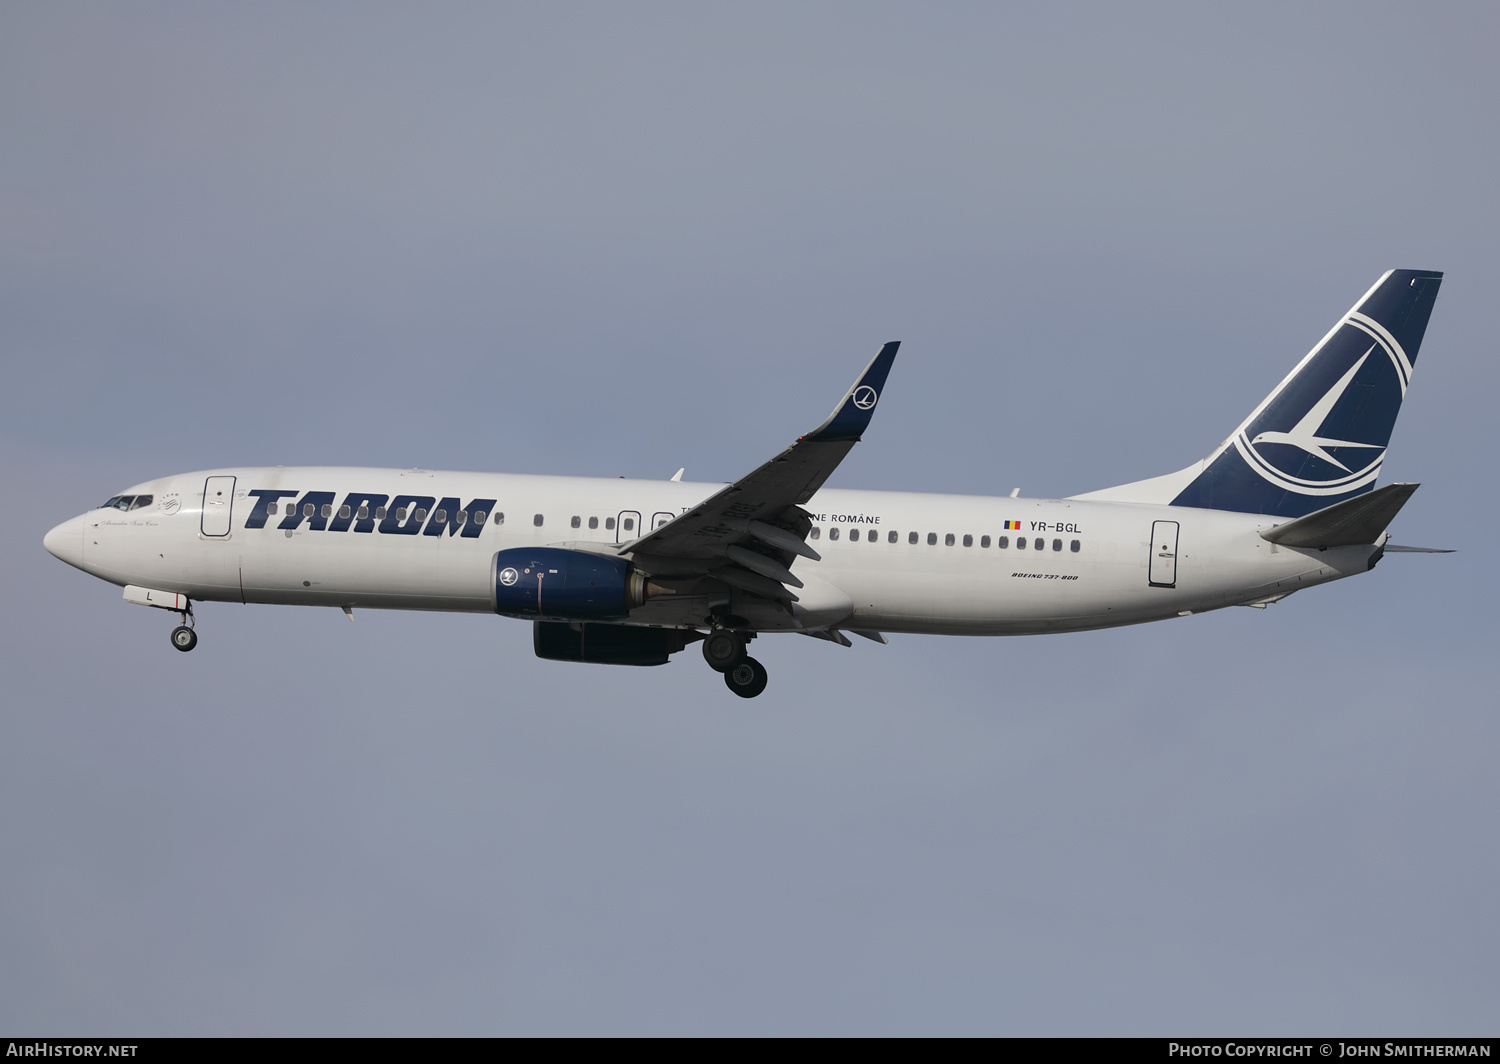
[(1163, 568), (218, 501), (628, 526)]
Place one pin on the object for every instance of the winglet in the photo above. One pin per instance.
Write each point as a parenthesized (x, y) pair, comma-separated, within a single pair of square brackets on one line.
[(852, 416)]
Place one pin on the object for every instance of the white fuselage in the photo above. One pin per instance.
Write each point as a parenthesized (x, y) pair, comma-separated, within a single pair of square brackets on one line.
[(955, 579)]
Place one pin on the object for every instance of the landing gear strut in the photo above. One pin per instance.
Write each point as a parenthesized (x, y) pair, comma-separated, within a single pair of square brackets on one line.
[(183, 637), (746, 678)]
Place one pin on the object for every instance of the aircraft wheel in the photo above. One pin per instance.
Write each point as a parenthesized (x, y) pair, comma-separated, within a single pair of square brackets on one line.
[(184, 638), (723, 649), (747, 678)]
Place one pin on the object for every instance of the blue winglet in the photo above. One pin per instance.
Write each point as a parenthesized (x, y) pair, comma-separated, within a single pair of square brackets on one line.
[(852, 416)]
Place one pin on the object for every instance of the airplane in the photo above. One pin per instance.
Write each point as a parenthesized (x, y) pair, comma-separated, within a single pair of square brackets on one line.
[(630, 572)]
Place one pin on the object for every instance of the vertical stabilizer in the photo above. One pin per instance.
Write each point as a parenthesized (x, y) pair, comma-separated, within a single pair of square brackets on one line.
[(1321, 436)]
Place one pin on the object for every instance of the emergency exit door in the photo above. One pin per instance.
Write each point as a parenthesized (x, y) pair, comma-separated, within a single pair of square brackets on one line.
[(218, 502), (628, 526), (1163, 567)]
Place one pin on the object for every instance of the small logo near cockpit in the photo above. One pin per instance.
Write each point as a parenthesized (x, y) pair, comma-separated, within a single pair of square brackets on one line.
[(170, 504)]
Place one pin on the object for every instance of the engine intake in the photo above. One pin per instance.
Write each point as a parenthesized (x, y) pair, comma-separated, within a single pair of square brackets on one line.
[(569, 585)]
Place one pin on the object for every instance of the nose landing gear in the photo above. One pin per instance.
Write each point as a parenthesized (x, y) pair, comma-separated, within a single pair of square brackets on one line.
[(183, 637)]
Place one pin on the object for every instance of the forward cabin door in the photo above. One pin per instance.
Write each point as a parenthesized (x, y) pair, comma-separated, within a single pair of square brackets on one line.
[(1163, 568), (218, 501)]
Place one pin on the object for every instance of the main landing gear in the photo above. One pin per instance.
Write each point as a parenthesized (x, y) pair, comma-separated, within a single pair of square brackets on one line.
[(724, 651), (747, 678), (184, 638)]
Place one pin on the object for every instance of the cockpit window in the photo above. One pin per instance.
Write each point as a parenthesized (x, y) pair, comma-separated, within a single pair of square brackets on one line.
[(141, 502), (120, 502)]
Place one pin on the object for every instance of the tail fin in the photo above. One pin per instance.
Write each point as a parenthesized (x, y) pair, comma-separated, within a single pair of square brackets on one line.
[(1320, 437)]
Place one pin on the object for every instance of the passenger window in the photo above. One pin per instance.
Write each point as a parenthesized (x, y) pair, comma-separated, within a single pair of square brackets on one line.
[(308, 510), (272, 509), (948, 540), (984, 541), (480, 517), (400, 513), (911, 537), (1002, 542), (1020, 543), (816, 533), (1075, 546), (536, 519), (327, 510), (609, 522), (932, 539), (968, 541), (380, 513), (499, 517), (893, 537), (461, 517), (1057, 544), (344, 511), (1039, 543), (421, 514), (833, 533), (577, 521), (363, 512), (439, 516), (854, 535), (593, 522)]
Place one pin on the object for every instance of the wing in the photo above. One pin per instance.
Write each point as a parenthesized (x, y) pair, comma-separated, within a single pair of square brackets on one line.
[(755, 527)]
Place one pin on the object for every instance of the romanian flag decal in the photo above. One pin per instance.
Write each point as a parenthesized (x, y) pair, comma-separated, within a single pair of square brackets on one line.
[(1012, 524)]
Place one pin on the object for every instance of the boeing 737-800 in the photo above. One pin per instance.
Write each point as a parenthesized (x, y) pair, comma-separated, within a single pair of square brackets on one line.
[(629, 572)]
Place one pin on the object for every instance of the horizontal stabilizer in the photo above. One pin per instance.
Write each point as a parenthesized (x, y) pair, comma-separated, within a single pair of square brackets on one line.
[(1393, 548), (1354, 522)]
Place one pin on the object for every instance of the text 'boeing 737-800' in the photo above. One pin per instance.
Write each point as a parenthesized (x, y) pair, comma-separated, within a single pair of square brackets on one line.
[(628, 572)]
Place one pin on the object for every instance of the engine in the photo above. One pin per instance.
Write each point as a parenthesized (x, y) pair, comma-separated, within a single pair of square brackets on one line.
[(607, 644), (569, 585)]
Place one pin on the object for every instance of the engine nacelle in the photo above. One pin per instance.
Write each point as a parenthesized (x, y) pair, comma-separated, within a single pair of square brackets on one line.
[(568, 585), (607, 644)]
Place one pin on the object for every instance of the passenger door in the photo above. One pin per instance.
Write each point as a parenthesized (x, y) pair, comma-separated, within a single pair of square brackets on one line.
[(218, 505), (1163, 567)]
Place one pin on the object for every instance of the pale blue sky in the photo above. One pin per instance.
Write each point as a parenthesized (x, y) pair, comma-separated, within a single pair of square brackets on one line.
[(618, 239)]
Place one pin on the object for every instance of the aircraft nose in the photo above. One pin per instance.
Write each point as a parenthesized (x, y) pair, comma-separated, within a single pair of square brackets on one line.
[(65, 542)]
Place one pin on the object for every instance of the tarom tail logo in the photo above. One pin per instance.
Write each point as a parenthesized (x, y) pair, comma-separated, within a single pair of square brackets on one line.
[(1307, 456)]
